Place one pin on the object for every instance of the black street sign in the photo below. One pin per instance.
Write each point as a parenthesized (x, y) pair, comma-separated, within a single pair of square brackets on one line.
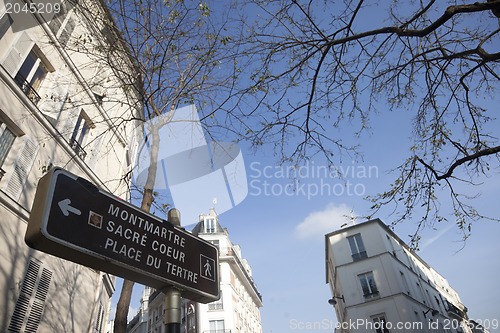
[(74, 220)]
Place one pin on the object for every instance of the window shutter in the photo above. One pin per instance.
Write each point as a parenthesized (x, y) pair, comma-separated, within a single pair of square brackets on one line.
[(31, 301), (17, 54), (21, 168), (100, 317)]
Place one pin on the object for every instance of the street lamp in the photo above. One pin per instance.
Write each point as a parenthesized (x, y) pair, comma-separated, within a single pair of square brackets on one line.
[(174, 217), (332, 300), (434, 312)]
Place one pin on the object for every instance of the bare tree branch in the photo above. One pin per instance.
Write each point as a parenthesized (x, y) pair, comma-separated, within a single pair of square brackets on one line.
[(457, 163)]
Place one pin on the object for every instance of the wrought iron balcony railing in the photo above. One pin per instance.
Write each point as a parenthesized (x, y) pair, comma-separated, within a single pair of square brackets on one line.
[(215, 306), (27, 88), (78, 149)]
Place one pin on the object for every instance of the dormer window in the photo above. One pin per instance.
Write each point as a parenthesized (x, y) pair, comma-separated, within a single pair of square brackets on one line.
[(210, 225)]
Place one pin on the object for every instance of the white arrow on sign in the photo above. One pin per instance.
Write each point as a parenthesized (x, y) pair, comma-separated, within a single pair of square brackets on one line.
[(66, 208)]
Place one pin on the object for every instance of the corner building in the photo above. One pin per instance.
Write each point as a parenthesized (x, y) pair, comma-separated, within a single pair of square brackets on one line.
[(237, 310), (378, 284), (62, 103)]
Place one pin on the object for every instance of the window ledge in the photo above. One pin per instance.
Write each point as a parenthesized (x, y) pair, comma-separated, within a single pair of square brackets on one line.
[(371, 296)]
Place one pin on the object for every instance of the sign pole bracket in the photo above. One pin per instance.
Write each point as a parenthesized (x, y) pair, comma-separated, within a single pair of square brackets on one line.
[(173, 310)]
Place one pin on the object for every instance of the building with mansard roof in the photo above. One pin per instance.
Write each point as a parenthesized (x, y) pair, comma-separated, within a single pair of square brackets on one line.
[(62, 103), (237, 310)]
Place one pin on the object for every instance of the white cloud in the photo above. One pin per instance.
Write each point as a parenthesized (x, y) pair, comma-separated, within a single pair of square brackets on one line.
[(319, 223)]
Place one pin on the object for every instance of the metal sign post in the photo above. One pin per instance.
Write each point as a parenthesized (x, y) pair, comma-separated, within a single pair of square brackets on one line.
[(172, 295)]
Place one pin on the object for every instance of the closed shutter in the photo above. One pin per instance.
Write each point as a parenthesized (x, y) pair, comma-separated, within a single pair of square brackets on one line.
[(100, 317), (21, 168), (17, 54), (30, 304)]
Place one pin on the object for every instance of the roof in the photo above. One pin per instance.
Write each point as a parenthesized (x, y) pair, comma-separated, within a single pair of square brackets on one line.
[(198, 228), (383, 226)]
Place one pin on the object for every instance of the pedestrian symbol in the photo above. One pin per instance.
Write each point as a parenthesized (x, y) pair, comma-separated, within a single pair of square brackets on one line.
[(207, 267)]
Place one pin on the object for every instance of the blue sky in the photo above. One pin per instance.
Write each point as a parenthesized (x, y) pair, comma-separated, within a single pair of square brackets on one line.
[(282, 234), (283, 239)]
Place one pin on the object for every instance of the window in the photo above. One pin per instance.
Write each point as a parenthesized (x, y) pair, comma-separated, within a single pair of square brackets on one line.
[(99, 320), (216, 326), (5, 23), (99, 98), (379, 324), (429, 298), (420, 291), (24, 155), (210, 225), (80, 133), (406, 287), (357, 247), (30, 76), (66, 32), (30, 303), (391, 245), (191, 317), (368, 285), (6, 140), (58, 20)]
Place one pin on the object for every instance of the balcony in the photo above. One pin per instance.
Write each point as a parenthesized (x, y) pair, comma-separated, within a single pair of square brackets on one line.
[(215, 306), (455, 311), (78, 149), (371, 295), (28, 90), (217, 331), (359, 256)]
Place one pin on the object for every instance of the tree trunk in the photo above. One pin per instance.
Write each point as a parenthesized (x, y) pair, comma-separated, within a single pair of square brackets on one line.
[(122, 307), (123, 304)]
